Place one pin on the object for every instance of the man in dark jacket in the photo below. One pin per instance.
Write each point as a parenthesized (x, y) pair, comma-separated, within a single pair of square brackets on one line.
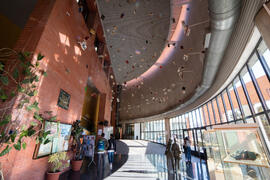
[(176, 155), (111, 149)]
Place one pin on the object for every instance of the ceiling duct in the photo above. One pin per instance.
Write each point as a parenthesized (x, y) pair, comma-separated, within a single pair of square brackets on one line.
[(223, 16)]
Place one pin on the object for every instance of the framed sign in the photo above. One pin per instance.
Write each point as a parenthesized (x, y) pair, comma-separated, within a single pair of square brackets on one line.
[(63, 99), (59, 138), (89, 145)]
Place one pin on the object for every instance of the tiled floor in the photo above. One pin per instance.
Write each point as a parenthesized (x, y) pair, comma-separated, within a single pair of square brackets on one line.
[(138, 160)]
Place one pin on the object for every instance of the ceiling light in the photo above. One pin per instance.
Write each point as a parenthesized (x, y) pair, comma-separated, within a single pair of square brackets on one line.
[(185, 57), (207, 40)]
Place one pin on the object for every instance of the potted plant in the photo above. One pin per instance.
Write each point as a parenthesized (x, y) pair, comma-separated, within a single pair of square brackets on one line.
[(76, 133), (57, 162)]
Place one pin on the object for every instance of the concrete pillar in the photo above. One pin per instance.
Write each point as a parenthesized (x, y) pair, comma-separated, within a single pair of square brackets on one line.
[(167, 129)]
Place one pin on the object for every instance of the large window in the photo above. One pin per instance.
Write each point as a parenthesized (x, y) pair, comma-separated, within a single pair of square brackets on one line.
[(245, 100), (154, 131)]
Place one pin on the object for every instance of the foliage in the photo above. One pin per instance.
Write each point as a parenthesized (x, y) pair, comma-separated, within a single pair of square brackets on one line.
[(58, 161), (19, 78), (76, 133)]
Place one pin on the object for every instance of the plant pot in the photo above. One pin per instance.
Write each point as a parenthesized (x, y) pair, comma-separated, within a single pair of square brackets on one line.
[(53, 176), (76, 165)]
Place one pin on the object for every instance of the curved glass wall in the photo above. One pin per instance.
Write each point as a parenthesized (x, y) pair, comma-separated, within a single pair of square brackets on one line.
[(245, 100), (153, 131)]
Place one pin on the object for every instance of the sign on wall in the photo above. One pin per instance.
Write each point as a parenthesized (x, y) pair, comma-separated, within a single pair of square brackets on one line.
[(59, 137), (89, 145), (63, 99)]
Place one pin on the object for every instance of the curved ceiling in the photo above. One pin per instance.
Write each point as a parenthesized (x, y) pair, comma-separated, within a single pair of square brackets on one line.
[(136, 32), (174, 56)]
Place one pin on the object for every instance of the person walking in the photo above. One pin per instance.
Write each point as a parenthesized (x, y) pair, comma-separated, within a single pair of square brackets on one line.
[(176, 155), (111, 149), (188, 149), (168, 153), (102, 145)]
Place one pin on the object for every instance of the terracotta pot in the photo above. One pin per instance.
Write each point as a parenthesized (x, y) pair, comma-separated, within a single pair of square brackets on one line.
[(53, 176), (76, 165)]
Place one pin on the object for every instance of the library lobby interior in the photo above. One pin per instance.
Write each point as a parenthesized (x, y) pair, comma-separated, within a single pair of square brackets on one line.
[(135, 90)]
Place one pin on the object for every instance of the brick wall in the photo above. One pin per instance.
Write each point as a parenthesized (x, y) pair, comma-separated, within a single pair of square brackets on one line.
[(54, 33)]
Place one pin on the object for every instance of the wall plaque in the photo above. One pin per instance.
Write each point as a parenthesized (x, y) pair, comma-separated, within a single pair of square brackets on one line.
[(63, 99)]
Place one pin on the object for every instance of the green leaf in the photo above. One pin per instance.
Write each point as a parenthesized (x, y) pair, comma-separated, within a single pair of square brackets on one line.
[(23, 127), (15, 73), (30, 131), (37, 64), (21, 89), (2, 66), (5, 120), (27, 71), (26, 54), (33, 123), (45, 134), (40, 57), (17, 146), (85, 88), (13, 93), (37, 140), (26, 81), (36, 79), (45, 74), (4, 80), (3, 96), (23, 133), (5, 151), (33, 106), (47, 141), (53, 118), (29, 108), (23, 145), (13, 136), (35, 92), (21, 56), (37, 116), (31, 93)]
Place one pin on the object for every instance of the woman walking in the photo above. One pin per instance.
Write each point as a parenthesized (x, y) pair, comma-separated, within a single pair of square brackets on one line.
[(188, 149), (111, 149)]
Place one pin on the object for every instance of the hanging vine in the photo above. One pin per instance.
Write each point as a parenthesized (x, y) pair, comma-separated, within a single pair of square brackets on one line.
[(19, 78)]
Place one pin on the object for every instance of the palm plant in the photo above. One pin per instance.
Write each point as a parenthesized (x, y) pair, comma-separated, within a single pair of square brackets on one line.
[(76, 133), (58, 162)]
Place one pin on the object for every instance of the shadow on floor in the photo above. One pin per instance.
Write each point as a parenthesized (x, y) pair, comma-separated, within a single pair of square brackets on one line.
[(98, 171)]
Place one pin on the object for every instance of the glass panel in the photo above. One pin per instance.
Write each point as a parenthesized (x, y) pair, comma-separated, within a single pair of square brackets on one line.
[(261, 78), (216, 111), (201, 115), (234, 102), (265, 127), (206, 114), (242, 97), (194, 119), (264, 51), (221, 107), (190, 120), (211, 115), (198, 117), (251, 91), (228, 106)]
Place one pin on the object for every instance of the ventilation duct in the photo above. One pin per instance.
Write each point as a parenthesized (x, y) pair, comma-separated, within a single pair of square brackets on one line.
[(223, 16)]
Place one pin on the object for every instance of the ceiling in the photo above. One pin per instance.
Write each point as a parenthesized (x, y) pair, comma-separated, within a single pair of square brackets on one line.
[(153, 56), (135, 32)]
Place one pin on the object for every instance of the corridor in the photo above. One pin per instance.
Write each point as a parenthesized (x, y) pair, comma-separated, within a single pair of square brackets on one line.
[(138, 159)]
